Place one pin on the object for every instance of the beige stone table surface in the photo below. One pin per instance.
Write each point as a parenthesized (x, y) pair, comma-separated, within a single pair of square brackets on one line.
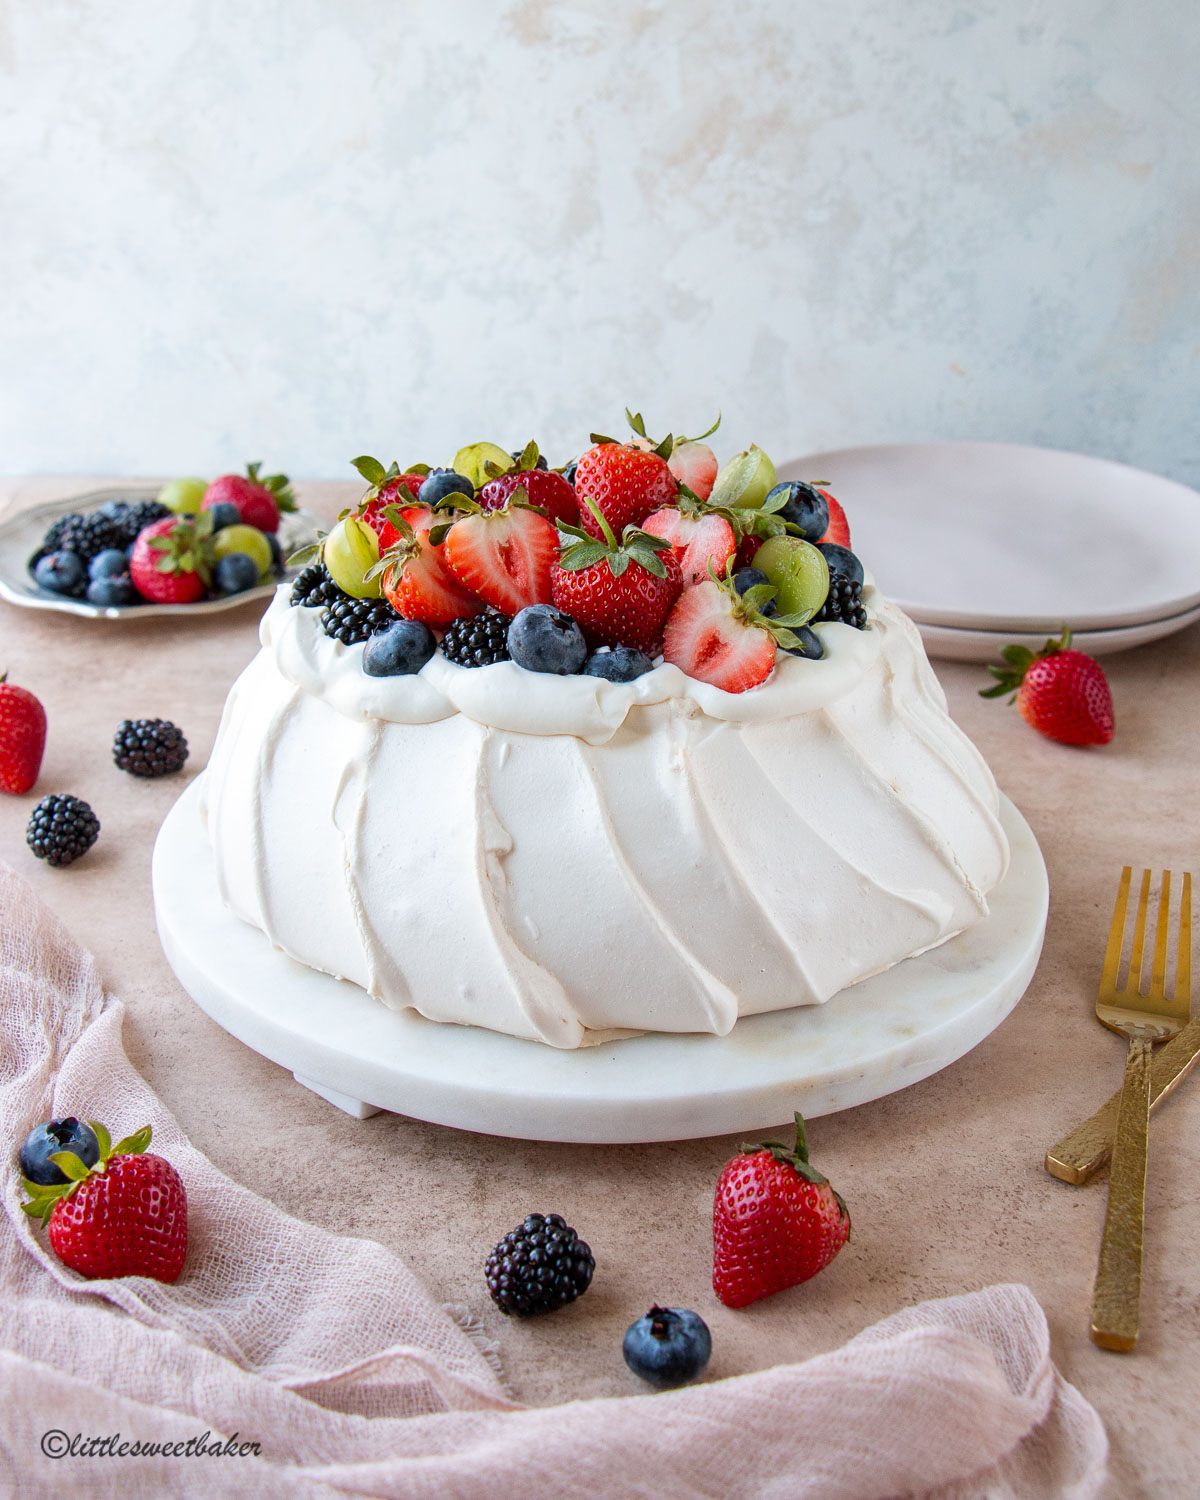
[(944, 1180)]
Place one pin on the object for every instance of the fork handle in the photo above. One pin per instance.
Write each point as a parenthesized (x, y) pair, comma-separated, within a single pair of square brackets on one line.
[(1117, 1296)]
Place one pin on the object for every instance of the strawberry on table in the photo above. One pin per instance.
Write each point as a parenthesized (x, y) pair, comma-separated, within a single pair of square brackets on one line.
[(1060, 692), (123, 1215), (503, 556), (416, 581), (172, 560), (776, 1222), (620, 593), (623, 483), (22, 737), (258, 501), (696, 539), (722, 637)]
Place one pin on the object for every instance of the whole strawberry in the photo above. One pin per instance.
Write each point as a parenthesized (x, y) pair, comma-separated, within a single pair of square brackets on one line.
[(22, 737), (1060, 692), (619, 593), (172, 559), (125, 1215), (545, 488), (623, 483), (776, 1222), (258, 501), (387, 487)]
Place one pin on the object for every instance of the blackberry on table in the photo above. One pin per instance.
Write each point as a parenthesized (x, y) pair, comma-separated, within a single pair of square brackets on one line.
[(314, 588), (349, 620), (137, 516), (477, 642), (538, 1267), (843, 603), (149, 747), (61, 828)]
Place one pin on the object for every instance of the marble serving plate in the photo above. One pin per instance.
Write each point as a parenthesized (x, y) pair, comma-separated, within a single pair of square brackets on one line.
[(21, 535), (879, 1036), (956, 644)]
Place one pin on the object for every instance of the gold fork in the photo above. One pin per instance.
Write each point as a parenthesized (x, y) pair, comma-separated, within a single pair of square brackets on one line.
[(1142, 1020)]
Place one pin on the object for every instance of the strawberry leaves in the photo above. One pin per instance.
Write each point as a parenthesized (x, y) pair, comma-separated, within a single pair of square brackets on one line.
[(1020, 659), (187, 547), (636, 546), (278, 485)]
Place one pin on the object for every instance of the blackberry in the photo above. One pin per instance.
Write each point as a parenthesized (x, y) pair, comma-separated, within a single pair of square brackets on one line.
[(477, 642), (61, 829), (349, 620), (843, 603), (149, 747), (138, 516), (538, 1267), (314, 588), (84, 535)]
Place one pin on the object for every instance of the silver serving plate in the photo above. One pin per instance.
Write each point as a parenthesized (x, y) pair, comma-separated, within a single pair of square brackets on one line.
[(21, 535)]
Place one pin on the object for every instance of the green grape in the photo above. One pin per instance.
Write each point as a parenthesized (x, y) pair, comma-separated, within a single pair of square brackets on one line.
[(350, 550), (798, 572), (746, 480), (183, 496), (469, 461), (247, 539)]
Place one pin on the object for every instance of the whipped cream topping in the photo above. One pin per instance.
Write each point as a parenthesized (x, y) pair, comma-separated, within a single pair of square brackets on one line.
[(505, 696), (565, 859)]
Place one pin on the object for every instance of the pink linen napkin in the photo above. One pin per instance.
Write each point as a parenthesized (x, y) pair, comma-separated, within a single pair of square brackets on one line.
[(327, 1352)]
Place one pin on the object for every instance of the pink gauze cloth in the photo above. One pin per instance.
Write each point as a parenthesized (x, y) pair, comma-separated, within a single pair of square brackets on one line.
[(328, 1352)]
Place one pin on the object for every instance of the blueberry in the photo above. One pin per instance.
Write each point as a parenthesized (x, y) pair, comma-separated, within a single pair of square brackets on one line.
[(543, 639), (569, 472), (235, 572), (61, 572), (57, 1135), (224, 513), (110, 563), (810, 647), (621, 664), (398, 650), (842, 560), (747, 578), (113, 593), (668, 1347), (804, 505), (442, 482)]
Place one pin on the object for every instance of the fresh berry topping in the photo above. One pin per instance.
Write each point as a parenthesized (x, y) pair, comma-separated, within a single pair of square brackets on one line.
[(350, 620), (745, 481), (387, 487), (172, 560), (544, 639), (538, 1267), (137, 517), (481, 461), (235, 573), (841, 561), (350, 553), (415, 577), (314, 588), (625, 484), (125, 1214), (691, 460), (838, 529), (618, 664), (56, 1135), (503, 556), (546, 488), (61, 573), (668, 1347), (747, 547), (568, 472), (711, 637), (776, 1222), (620, 593), (808, 644), (802, 505), (844, 603), (798, 573), (22, 737), (113, 593), (61, 829), (539, 462), (1060, 692), (149, 747), (477, 642), (440, 484), (749, 578), (258, 500), (400, 649), (697, 541)]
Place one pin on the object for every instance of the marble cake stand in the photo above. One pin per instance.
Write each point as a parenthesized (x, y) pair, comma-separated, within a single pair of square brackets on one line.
[(871, 1040)]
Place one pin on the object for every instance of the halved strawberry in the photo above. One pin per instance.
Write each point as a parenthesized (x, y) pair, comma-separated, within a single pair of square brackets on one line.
[(503, 556), (695, 540), (838, 529), (416, 581), (706, 638)]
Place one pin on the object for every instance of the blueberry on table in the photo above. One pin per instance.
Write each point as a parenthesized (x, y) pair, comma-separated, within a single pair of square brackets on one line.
[(803, 505), (61, 573), (398, 650), (57, 1135), (668, 1347), (235, 572), (113, 593), (544, 639), (110, 563), (842, 561), (149, 747), (620, 664)]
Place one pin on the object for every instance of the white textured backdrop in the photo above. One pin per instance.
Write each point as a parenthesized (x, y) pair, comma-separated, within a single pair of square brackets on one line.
[(298, 231)]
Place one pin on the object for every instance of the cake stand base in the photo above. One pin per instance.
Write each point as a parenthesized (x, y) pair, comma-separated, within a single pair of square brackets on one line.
[(870, 1040)]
